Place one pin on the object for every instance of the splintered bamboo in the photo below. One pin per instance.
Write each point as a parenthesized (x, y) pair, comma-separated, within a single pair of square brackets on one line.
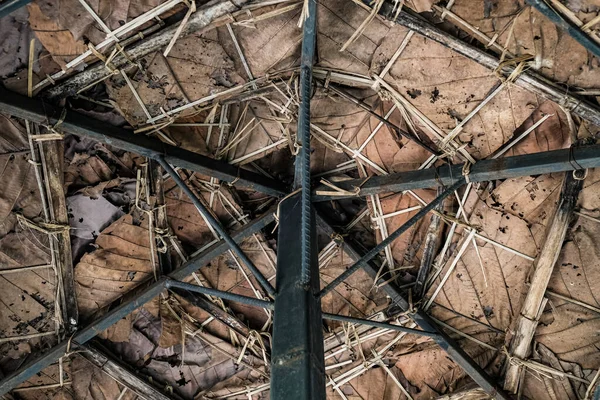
[(520, 345), (119, 372), (467, 394), (52, 155), (432, 242)]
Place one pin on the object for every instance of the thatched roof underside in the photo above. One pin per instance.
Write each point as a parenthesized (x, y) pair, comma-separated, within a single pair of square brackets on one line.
[(125, 221)]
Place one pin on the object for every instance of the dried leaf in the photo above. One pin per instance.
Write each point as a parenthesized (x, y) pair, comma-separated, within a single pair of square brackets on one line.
[(15, 37), (196, 67), (92, 383), (56, 39), (120, 263), (536, 35), (569, 329), (269, 44), (356, 296), (202, 367)]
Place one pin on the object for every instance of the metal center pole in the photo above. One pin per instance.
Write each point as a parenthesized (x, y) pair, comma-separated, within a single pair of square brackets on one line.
[(298, 365)]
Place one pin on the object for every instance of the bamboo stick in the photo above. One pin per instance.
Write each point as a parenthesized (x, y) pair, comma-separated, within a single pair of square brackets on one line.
[(520, 345), (468, 394), (432, 242)]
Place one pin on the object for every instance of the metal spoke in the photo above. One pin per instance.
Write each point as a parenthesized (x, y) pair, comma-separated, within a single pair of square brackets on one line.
[(218, 227), (545, 162), (362, 262), (115, 315), (397, 328), (251, 301)]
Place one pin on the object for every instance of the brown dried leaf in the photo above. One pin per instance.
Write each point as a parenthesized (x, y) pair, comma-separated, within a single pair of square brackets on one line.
[(19, 190), (557, 55), (356, 296), (552, 387), (589, 198), (15, 37), (569, 329), (48, 376), (13, 135), (224, 274), (552, 134), (446, 87), (261, 132), (99, 165), (28, 305), (496, 297), (338, 20), (407, 249), (196, 67), (269, 44), (91, 383), (59, 41), (203, 366), (121, 262), (336, 117)]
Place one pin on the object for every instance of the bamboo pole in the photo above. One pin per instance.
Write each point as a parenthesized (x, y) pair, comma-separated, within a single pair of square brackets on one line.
[(206, 15), (529, 80), (520, 345), (52, 158)]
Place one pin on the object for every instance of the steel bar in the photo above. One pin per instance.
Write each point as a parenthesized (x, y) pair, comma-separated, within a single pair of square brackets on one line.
[(361, 263), (251, 301), (398, 328), (8, 6), (529, 80), (217, 226), (546, 162), (573, 30), (422, 319), (230, 320), (77, 124), (298, 365), (39, 363), (302, 167)]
